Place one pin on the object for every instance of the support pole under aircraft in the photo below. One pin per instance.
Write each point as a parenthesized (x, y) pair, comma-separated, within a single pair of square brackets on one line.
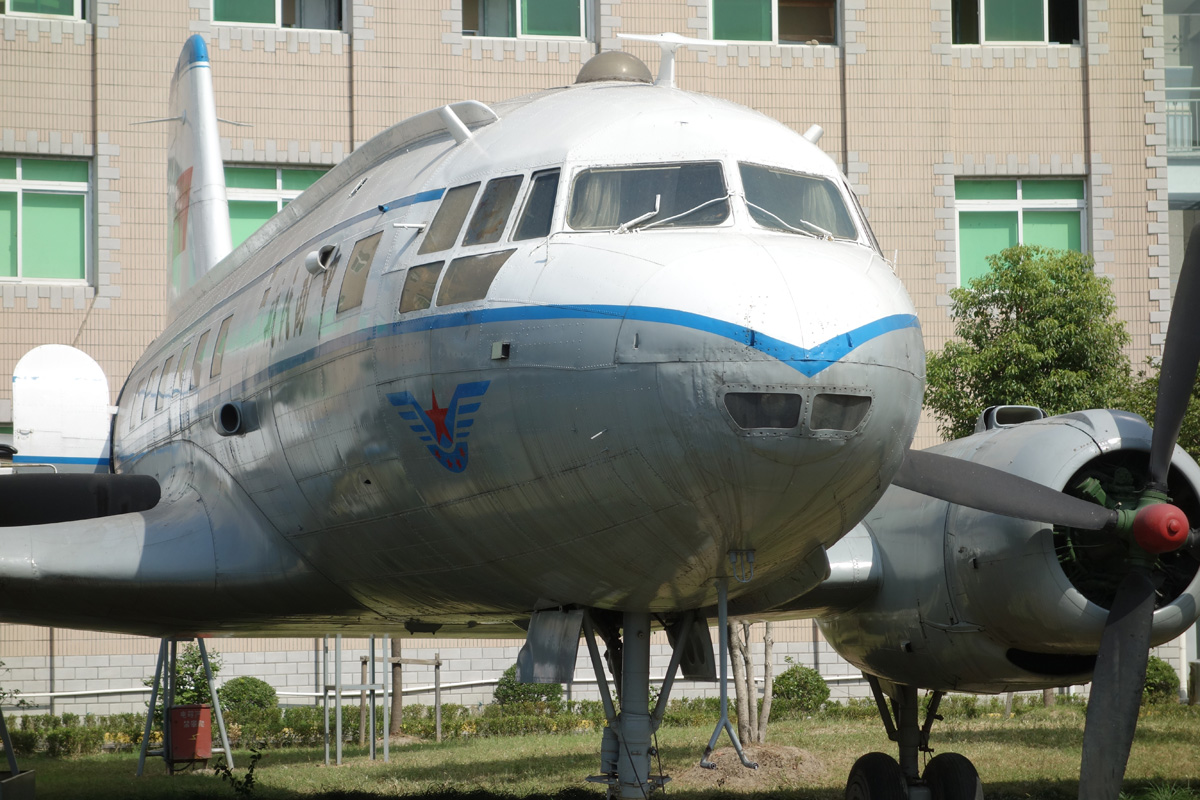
[(633, 763)]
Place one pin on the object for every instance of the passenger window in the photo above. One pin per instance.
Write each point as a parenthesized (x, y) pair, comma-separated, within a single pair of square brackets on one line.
[(491, 215), (354, 281), (164, 383), (198, 362), (468, 278), (182, 372), (150, 384), (138, 397), (219, 347), (790, 201), (418, 287), (539, 207), (666, 195), (447, 222)]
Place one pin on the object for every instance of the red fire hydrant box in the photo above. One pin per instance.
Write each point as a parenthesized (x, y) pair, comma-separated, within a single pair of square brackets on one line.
[(191, 733)]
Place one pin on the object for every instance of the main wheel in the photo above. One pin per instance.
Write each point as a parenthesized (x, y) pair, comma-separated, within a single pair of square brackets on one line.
[(876, 776), (953, 777)]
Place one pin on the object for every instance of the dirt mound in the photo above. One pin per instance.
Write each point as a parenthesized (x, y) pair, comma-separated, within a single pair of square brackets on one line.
[(778, 766)]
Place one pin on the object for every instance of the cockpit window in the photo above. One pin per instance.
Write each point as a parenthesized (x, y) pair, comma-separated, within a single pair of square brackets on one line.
[(539, 207), (790, 201), (649, 196), (491, 215), (448, 220)]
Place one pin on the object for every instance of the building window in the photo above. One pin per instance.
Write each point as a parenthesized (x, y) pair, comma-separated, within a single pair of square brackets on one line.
[(1013, 21), (258, 193), (523, 18), (67, 9), (44, 208), (315, 14), (782, 21), (995, 214)]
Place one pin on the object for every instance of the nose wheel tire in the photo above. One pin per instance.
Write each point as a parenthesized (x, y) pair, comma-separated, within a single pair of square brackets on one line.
[(951, 776), (876, 776)]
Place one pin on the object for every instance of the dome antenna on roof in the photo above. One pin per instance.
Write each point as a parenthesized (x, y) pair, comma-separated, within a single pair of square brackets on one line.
[(669, 42)]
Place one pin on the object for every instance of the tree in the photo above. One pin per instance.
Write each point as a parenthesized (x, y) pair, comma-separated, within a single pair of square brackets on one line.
[(1141, 400), (1040, 329), (751, 722)]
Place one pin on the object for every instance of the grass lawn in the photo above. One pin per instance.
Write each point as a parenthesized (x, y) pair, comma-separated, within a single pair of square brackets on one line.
[(1033, 756)]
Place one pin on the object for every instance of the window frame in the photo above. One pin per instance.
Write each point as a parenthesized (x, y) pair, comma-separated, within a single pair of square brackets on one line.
[(981, 30), (567, 196), (518, 33), (1020, 205), (19, 185), (279, 195), (838, 28), (277, 24), (80, 7)]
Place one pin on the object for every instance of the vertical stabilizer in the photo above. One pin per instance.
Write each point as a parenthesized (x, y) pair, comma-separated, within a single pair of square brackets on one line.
[(199, 207)]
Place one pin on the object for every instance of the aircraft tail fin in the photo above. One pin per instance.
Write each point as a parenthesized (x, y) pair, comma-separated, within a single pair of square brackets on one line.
[(199, 207)]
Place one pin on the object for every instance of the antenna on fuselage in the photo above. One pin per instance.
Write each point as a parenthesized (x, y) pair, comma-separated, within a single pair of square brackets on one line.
[(669, 42)]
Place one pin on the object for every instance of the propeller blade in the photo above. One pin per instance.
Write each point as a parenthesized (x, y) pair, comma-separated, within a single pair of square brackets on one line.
[(1181, 353), (1117, 686), (975, 486)]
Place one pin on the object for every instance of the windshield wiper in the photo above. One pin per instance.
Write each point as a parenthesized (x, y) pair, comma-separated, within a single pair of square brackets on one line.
[(816, 230), (626, 227), (709, 202)]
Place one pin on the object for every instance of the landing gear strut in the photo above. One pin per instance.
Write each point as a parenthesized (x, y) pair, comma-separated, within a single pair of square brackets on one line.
[(878, 776)]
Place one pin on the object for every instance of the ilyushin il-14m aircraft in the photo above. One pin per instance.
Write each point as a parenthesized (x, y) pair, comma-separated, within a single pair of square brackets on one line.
[(605, 358)]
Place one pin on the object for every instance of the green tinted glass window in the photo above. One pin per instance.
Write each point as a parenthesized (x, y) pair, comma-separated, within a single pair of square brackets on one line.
[(247, 216), (354, 281), (1052, 190), (52, 232), (1014, 21), (198, 360), (550, 17), (249, 178), (297, 180), (261, 12), (8, 234), (219, 348), (985, 190), (62, 8), (448, 221), (36, 169), (8, 168), (742, 20), (418, 287), (1058, 229), (981, 234)]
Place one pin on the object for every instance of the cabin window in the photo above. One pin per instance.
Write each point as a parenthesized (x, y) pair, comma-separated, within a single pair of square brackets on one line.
[(138, 398), (354, 281), (418, 287), (198, 361), (790, 201), (448, 221), (650, 196), (164, 383), (150, 384), (469, 278), (491, 215), (181, 373), (511, 18), (219, 347), (539, 207), (312, 14)]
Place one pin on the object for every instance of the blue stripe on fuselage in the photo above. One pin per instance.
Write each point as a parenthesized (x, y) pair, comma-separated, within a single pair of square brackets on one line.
[(807, 361)]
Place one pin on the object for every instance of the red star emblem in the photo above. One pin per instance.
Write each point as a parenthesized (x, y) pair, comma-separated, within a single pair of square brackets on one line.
[(438, 415)]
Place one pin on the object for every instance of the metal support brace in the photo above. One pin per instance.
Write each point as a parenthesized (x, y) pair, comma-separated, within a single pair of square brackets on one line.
[(723, 723), (158, 673), (216, 702), (8, 746), (664, 692)]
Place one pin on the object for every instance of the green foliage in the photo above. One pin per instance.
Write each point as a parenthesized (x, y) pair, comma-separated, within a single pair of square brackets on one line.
[(246, 694), (191, 684), (244, 785), (74, 740), (1039, 328), (802, 686), (1162, 683), (545, 697), (1141, 399)]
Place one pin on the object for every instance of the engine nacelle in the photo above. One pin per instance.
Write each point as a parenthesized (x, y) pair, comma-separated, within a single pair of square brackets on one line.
[(972, 601)]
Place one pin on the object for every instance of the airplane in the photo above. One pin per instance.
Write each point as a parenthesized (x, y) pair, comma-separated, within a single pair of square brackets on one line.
[(609, 357)]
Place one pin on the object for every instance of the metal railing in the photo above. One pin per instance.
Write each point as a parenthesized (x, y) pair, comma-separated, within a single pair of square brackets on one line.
[(1183, 121)]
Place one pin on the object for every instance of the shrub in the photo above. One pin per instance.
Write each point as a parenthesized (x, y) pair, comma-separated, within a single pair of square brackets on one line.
[(803, 685), (303, 725), (75, 740), (1162, 684), (246, 694), (546, 698)]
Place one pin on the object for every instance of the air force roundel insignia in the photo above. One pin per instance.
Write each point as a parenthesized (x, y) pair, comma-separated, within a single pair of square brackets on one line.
[(444, 430)]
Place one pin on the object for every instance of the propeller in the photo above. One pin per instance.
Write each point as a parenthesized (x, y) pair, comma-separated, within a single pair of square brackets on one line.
[(1154, 527)]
